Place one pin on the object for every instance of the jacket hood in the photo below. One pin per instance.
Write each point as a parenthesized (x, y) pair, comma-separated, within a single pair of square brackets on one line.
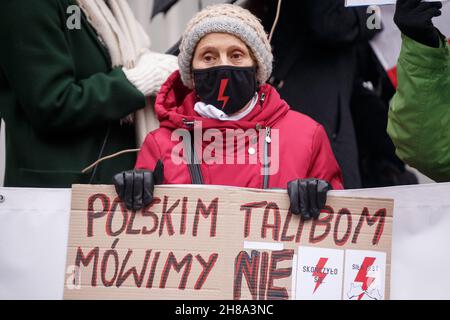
[(174, 107)]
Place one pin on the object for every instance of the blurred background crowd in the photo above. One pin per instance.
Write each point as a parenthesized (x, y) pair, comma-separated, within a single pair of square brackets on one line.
[(324, 67)]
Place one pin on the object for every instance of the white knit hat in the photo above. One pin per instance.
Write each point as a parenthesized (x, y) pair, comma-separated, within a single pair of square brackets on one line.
[(231, 19)]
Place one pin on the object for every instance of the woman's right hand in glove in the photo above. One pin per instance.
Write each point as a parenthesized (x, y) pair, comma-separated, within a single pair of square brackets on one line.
[(414, 19), (135, 188)]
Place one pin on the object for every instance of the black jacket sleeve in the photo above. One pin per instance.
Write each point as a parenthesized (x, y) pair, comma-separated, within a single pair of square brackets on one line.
[(332, 24)]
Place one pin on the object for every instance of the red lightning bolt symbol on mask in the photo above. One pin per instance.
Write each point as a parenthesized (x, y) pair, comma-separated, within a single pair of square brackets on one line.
[(362, 275), (222, 97), (318, 272)]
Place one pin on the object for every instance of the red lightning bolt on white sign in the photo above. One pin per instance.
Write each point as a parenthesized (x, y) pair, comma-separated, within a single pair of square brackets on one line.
[(222, 97), (318, 272), (362, 275)]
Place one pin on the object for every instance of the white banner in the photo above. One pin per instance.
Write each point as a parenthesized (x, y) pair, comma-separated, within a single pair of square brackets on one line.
[(34, 233), (34, 229)]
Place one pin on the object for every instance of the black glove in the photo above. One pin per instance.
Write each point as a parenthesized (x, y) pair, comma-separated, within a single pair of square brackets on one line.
[(135, 188), (413, 17), (308, 197)]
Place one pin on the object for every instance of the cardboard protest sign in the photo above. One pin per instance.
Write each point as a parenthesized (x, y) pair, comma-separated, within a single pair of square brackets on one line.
[(226, 243), (350, 3)]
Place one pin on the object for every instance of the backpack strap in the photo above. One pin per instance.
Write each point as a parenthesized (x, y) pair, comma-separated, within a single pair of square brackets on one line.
[(192, 160)]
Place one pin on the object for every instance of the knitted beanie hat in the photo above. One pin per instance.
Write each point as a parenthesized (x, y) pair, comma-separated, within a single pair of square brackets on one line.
[(231, 19)]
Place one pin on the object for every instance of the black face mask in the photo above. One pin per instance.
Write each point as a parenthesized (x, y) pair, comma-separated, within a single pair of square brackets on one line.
[(227, 88)]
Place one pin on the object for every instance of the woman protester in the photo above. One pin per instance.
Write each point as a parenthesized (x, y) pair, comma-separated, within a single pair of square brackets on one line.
[(69, 79), (220, 90), (419, 117)]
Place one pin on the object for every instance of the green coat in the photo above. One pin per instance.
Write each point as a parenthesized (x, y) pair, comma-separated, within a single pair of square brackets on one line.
[(59, 97), (419, 117)]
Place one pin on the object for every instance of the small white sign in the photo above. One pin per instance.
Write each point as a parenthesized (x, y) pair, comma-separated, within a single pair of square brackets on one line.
[(364, 275), (319, 274), (352, 3)]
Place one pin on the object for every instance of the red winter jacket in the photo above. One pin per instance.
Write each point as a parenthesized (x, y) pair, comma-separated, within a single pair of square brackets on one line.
[(304, 148)]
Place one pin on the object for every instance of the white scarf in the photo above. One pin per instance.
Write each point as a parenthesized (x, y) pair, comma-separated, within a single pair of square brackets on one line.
[(211, 112), (125, 39)]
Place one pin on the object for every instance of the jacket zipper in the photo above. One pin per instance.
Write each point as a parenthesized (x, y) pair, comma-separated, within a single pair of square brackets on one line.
[(262, 99), (197, 177), (267, 141)]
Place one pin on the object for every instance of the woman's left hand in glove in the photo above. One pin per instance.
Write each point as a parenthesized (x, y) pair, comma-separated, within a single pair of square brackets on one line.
[(308, 197)]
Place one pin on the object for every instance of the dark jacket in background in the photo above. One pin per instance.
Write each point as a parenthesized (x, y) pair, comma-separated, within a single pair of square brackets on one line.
[(315, 64), (60, 99), (379, 165)]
